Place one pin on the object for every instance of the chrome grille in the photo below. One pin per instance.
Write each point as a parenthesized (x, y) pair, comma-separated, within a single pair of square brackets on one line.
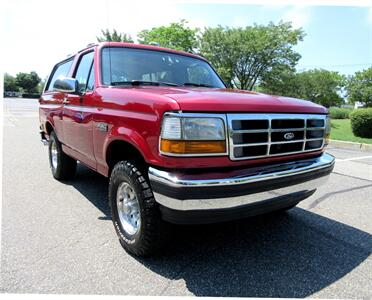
[(263, 135)]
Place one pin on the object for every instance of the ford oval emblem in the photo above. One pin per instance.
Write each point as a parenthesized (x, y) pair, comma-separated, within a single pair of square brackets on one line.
[(289, 135)]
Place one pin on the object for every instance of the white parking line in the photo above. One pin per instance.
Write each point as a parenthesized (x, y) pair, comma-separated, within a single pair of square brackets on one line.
[(9, 124), (353, 158), (21, 115)]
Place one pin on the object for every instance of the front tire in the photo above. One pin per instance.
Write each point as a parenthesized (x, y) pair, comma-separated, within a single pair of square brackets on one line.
[(63, 167), (135, 213)]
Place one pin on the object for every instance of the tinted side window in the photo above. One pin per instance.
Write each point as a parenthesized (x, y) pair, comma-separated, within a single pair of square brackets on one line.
[(61, 70), (83, 70)]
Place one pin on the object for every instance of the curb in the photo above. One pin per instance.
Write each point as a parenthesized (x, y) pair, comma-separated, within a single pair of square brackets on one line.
[(350, 145)]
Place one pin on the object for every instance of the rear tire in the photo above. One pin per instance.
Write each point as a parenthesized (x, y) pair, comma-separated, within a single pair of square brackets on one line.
[(135, 213), (63, 167)]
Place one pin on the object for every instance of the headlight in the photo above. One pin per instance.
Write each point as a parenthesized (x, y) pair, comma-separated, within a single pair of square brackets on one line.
[(187, 135), (327, 131)]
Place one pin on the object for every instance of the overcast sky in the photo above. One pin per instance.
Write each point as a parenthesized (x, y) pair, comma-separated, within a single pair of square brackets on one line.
[(37, 34)]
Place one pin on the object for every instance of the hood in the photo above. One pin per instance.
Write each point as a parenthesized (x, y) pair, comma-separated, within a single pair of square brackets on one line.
[(230, 100)]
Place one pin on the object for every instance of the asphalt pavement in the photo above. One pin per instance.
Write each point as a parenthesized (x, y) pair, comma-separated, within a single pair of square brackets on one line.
[(58, 237)]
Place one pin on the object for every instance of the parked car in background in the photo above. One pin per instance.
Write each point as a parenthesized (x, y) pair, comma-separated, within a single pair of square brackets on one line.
[(12, 94)]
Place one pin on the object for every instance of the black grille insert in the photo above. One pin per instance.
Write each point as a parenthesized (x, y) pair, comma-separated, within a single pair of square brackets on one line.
[(287, 123), (315, 134), (315, 123), (250, 124), (250, 151), (283, 148), (313, 144), (250, 137)]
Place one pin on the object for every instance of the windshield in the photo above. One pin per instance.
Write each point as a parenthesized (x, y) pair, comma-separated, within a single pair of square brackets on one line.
[(140, 66)]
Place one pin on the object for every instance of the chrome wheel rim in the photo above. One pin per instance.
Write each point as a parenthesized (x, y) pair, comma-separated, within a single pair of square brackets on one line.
[(54, 155), (128, 208)]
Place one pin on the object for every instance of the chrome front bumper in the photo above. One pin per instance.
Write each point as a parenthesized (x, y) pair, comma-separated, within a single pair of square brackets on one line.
[(238, 188)]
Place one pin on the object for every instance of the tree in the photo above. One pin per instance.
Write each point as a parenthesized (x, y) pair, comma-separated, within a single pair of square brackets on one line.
[(279, 82), (10, 83), (359, 87), (28, 81), (176, 36), (318, 85), (219, 46), (321, 86), (107, 36), (242, 56)]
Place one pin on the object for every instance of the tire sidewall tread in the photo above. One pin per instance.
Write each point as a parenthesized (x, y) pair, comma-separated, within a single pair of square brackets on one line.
[(148, 239), (66, 165)]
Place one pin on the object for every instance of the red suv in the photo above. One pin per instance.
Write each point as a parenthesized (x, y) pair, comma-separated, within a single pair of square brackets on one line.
[(177, 145)]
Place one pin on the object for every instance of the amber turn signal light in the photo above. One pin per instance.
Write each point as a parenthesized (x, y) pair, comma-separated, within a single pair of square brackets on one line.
[(192, 147)]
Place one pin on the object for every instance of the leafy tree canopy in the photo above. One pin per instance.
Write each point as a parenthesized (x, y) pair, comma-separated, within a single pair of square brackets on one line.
[(176, 36), (280, 82), (28, 81), (359, 87), (10, 83), (318, 85), (321, 86), (243, 56), (107, 36)]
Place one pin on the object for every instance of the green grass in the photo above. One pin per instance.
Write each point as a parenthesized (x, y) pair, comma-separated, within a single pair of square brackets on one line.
[(341, 130)]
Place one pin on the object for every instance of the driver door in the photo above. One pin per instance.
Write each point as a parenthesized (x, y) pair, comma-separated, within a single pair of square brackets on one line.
[(77, 115)]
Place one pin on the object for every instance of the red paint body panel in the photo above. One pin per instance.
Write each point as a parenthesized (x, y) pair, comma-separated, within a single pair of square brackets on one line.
[(134, 115), (229, 100)]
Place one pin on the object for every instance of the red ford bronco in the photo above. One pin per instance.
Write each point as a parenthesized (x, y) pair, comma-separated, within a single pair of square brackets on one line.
[(177, 145)]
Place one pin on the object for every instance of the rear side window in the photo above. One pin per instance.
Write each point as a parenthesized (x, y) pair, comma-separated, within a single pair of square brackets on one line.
[(61, 70), (83, 71)]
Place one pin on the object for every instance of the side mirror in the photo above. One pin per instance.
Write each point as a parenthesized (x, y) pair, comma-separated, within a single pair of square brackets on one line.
[(66, 85)]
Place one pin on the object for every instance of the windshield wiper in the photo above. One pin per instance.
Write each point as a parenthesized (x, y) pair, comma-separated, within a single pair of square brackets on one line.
[(142, 82), (197, 84)]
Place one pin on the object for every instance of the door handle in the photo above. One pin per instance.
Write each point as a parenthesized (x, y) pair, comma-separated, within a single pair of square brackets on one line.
[(66, 101)]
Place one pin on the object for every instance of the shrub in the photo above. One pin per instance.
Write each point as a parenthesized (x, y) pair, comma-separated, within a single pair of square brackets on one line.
[(361, 122), (340, 113)]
